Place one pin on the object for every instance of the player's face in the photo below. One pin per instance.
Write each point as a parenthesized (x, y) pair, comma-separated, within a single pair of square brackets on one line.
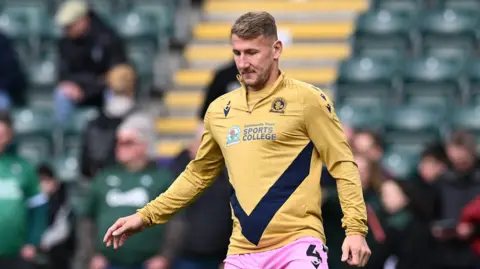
[(255, 58)]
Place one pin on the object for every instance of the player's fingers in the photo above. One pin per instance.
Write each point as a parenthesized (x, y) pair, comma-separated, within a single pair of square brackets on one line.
[(345, 252), (115, 226), (355, 257), (123, 238), (366, 256)]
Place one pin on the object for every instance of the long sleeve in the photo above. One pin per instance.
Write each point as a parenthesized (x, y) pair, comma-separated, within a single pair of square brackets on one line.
[(326, 133), (198, 175)]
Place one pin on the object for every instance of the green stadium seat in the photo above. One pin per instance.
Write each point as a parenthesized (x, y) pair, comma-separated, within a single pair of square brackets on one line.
[(73, 130), (366, 80), (472, 73), (34, 12), (448, 28), (466, 118), (162, 11), (383, 30), (16, 26), (414, 125), (409, 6), (432, 77), (139, 29), (142, 59), (369, 117), (67, 167), (461, 4), (400, 164), (33, 133), (43, 74)]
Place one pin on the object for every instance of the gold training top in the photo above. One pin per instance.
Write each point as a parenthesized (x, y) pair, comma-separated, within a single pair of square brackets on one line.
[(273, 143)]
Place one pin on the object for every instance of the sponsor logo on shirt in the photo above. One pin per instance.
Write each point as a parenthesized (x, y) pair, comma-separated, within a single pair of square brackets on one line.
[(259, 131), (10, 190), (233, 136), (136, 197)]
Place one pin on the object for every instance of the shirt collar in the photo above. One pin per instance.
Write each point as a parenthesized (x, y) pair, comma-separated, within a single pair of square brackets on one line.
[(270, 89)]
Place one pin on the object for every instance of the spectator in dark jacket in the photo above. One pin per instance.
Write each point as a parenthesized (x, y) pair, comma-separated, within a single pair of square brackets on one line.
[(207, 222), (99, 137), (224, 80), (457, 187), (58, 241), (12, 77), (88, 51)]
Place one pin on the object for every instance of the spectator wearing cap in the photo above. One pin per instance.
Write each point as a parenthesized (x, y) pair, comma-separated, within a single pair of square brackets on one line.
[(23, 207), (88, 51), (120, 189), (58, 240), (99, 136)]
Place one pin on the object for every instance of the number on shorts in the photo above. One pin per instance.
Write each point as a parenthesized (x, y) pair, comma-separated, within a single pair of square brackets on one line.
[(311, 252)]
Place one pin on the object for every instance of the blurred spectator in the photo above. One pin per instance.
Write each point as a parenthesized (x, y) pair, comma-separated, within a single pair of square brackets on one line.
[(22, 206), (224, 81), (118, 191), (457, 187), (469, 226), (371, 180), (89, 49), (207, 221), (12, 77), (369, 144), (98, 140), (58, 241)]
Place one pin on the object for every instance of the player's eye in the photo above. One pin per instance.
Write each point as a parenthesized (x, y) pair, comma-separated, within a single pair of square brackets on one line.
[(236, 52)]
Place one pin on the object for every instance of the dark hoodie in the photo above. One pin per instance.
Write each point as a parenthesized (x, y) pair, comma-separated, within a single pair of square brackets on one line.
[(87, 59)]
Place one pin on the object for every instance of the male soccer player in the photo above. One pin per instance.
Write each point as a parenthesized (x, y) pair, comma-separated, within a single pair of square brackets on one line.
[(273, 133)]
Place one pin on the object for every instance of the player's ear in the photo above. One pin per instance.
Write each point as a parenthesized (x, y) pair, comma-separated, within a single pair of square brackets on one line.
[(277, 49)]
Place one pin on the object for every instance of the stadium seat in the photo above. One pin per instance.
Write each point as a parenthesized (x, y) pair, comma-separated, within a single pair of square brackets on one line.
[(15, 25), (67, 167), (369, 117), (412, 126), (466, 118), (74, 128), (461, 4), (448, 29), (383, 30), (432, 79), (409, 6), (365, 79), (138, 28), (162, 11), (472, 72), (43, 74), (33, 133), (400, 164), (143, 59)]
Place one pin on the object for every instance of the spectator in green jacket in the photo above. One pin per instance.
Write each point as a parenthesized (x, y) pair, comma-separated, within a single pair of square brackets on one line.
[(23, 207), (119, 190)]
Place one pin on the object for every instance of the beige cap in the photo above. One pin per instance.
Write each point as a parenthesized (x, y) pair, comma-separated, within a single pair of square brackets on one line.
[(70, 11)]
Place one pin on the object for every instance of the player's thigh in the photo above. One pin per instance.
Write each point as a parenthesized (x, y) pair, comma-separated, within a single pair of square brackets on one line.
[(305, 264)]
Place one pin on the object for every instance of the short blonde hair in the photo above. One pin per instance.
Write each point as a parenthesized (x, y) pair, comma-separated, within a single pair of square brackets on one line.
[(254, 24)]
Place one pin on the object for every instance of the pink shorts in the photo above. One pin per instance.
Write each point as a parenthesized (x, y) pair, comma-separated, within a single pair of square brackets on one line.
[(304, 253)]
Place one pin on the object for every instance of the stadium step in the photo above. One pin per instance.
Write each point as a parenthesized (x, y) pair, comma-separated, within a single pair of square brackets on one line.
[(170, 148), (306, 32)]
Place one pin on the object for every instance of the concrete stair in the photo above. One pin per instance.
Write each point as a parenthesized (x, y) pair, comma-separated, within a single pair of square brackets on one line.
[(319, 31)]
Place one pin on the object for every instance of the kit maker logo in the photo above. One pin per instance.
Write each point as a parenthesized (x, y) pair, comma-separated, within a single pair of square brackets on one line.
[(233, 136)]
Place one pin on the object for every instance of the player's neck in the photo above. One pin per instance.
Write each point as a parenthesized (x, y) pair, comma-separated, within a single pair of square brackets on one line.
[(271, 79)]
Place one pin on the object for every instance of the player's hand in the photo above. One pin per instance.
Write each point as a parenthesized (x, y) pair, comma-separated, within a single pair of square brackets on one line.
[(98, 262), (28, 252), (156, 262), (122, 229), (465, 230), (355, 251)]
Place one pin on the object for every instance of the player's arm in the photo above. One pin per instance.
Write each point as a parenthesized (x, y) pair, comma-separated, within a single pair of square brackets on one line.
[(198, 175), (325, 131)]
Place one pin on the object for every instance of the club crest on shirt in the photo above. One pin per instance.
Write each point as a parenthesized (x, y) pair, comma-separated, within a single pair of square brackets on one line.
[(278, 105), (233, 136)]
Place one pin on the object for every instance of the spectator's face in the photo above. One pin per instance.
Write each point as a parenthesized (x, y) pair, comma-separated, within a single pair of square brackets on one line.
[(365, 144), (430, 169), (129, 147), (5, 135), (77, 29), (48, 185), (460, 157), (364, 170), (255, 58)]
